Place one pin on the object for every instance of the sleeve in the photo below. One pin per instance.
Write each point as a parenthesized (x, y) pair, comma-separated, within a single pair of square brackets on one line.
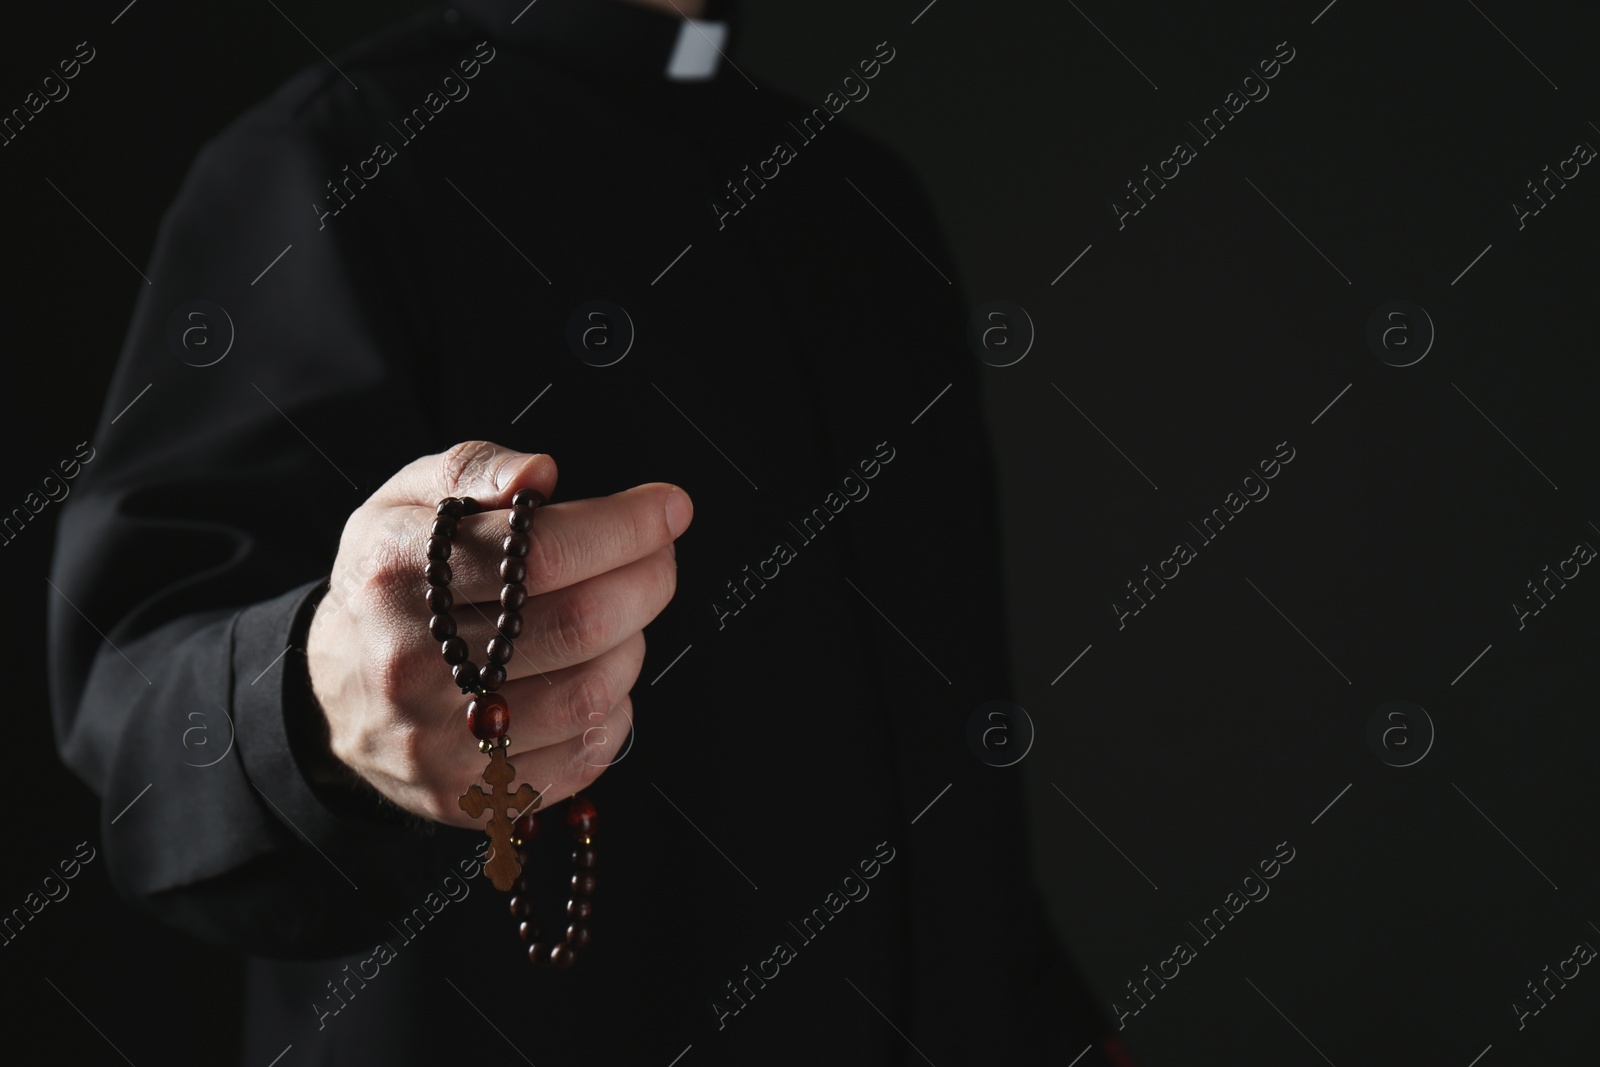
[(269, 382)]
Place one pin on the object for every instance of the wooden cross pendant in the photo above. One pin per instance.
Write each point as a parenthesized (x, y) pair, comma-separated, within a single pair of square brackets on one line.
[(502, 866)]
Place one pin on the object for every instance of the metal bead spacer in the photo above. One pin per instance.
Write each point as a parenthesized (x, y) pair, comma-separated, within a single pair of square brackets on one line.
[(486, 747)]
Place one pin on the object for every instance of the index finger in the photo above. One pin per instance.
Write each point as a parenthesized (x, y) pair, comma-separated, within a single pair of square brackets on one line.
[(570, 541), (489, 473)]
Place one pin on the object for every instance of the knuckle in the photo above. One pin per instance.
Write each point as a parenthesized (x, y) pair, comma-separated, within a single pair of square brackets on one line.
[(622, 712), (590, 704), (634, 662), (667, 574), (390, 577), (543, 560), (464, 463), (581, 626), (582, 765), (387, 678), (410, 752), (646, 525), (601, 745), (385, 572)]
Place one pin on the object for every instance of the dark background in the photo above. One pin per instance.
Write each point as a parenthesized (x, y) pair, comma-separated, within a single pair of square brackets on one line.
[(1227, 715)]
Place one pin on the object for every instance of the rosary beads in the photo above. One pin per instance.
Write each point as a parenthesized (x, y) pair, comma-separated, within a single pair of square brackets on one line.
[(512, 823)]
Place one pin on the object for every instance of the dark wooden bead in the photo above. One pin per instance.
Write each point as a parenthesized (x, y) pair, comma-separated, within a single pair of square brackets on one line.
[(454, 649), (578, 935), (439, 599), (441, 627), (519, 519), (513, 596), (526, 827), (500, 650), (520, 886), (583, 857), (538, 953), (563, 955), (438, 548), (528, 932), (521, 907), (515, 544), (449, 508), (580, 909), (466, 676), (438, 572), (527, 498), (492, 676), (583, 883), (510, 623), (581, 817), (469, 506), (513, 569), (488, 717), (523, 860), (444, 527)]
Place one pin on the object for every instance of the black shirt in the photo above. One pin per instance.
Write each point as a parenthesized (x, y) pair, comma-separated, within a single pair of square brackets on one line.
[(395, 253)]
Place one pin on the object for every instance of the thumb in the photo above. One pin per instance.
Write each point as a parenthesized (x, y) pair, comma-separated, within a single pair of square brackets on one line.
[(483, 470)]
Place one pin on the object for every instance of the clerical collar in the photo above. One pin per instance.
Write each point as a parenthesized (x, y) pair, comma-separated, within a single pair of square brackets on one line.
[(612, 37)]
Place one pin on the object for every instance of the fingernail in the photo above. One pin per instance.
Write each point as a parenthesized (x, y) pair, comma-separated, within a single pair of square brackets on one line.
[(510, 467), (679, 511)]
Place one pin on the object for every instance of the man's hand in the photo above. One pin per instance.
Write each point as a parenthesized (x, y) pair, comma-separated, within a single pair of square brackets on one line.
[(598, 570)]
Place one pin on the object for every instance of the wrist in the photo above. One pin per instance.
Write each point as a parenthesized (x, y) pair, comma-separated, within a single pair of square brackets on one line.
[(334, 783)]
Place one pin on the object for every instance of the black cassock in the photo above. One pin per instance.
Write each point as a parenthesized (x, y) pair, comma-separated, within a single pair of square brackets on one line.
[(353, 277)]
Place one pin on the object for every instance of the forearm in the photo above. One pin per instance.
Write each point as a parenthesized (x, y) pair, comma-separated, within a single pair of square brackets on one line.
[(200, 741)]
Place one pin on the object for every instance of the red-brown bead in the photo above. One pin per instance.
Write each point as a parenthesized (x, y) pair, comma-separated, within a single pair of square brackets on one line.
[(581, 817), (488, 717), (580, 909), (578, 935), (526, 827), (563, 955), (583, 883)]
